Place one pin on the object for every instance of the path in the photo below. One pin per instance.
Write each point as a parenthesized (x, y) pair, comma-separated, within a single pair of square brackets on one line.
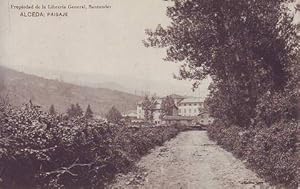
[(189, 161)]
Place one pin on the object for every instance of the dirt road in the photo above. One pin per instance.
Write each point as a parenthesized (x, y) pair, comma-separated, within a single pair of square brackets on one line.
[(189, 161)]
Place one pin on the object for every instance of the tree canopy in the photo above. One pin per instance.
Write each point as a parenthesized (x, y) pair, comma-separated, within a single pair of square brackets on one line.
[(52, 110), (148, 105), (75, 110), (114, 115), (89, 113), (247, 47), (167, 106)]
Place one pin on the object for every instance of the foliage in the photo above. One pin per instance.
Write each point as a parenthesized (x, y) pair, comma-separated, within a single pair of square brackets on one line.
[(38, 150), (52, 110), (75, 110), (250, 49), (270, 150), (88, 113), (167, 106), (148, 105), (243, 46), (114, 115)]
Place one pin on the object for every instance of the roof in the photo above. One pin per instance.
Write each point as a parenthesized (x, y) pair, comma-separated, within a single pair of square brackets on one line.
[(192, 100), (178, 118)]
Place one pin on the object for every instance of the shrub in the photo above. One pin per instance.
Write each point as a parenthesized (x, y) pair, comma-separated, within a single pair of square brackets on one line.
[(38, 150), (270, 151)]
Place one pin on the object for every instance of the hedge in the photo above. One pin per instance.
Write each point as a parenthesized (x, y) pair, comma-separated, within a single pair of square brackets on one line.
[(269, 151), (42, 151)]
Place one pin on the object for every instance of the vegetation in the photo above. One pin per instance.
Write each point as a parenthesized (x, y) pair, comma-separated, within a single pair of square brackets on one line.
[(88, 113), (39, 150), (114, 115), (167, 106), (52, 110), (75, 110), (250, 50), (148, 106)]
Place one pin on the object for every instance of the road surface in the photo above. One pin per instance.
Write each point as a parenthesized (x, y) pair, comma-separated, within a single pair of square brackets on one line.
[(189, 161)]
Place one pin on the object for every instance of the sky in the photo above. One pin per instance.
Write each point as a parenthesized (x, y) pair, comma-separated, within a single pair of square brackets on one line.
[(96, 42), (92, 42)]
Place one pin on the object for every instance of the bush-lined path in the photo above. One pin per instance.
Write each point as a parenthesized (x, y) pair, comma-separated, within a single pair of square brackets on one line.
[(190, 161)]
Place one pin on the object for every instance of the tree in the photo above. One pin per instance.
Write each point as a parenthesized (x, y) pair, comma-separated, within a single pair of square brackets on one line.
[(52, 110), (114, 115), (245, 46), (75, 110), (71, 111), (167, 106), (88, 113), (78, 110), (148, 105)]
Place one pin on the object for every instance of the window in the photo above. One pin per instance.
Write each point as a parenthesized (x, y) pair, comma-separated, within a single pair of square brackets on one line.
[(190, 111), (179, 111), (184, 110), (195, 110)]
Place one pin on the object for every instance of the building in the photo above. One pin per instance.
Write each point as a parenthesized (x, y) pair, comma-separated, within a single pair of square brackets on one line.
[(190, 106), (185, 111)]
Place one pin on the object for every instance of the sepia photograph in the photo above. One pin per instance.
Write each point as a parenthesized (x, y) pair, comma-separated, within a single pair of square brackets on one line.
[(150, 94)]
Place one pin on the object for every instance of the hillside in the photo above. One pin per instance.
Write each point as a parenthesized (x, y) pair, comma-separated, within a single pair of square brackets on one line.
[(22, 87)]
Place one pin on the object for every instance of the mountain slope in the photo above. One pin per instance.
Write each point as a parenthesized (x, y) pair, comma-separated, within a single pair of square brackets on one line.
[(22, 87)]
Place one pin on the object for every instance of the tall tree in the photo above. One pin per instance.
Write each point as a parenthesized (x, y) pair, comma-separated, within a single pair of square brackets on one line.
[(88, 113), (114, 115), (75, 110), (148, 106), (167, 106), (78, 110), (52, 110), (71, 111), (245, 46)]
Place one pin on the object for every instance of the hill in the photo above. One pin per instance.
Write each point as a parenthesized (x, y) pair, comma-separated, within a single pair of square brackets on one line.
[(21, 87)]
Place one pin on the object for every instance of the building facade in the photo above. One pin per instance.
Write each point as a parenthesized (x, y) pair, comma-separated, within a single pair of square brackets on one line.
[(190, 106), (185, 110)]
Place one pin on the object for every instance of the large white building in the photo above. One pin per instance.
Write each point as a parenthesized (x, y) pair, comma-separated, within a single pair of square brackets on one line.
[(184, 107), (190, 106)]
